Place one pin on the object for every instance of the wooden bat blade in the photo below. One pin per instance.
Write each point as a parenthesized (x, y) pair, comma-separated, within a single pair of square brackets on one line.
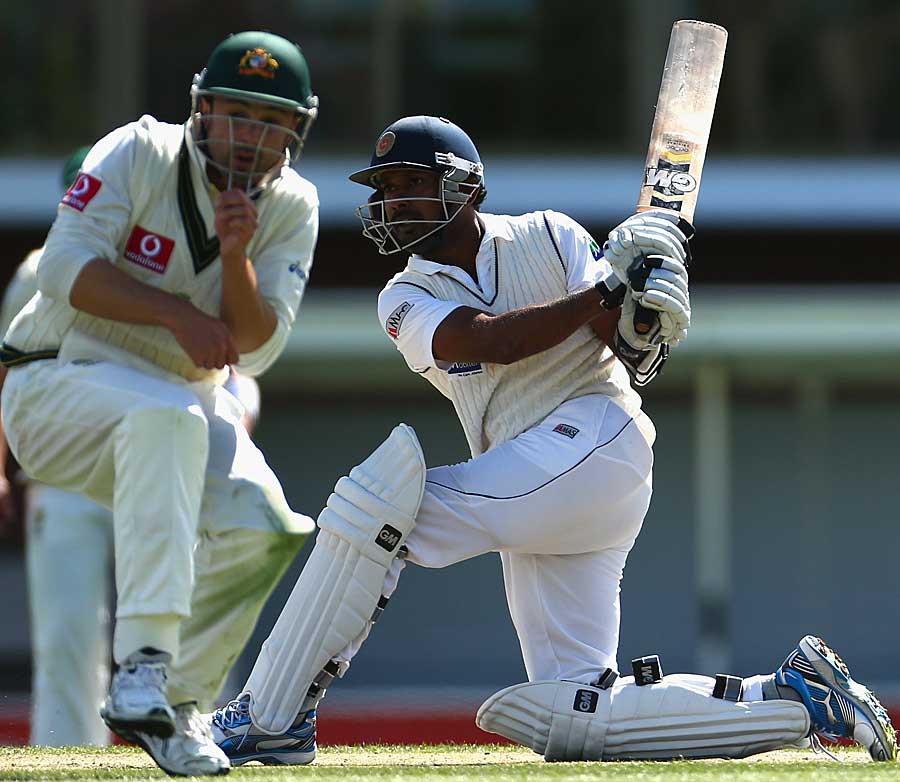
[(680, 134), (684, 114)]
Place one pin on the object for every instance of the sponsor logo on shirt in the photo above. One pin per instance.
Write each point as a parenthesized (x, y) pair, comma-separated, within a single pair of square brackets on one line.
[(595, 250), (296, 268), (568, 431), (83, 189), (463, 370), (395, 320), (152, 251)]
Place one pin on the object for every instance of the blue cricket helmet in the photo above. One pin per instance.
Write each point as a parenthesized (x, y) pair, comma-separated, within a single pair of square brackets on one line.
[(434, 143)]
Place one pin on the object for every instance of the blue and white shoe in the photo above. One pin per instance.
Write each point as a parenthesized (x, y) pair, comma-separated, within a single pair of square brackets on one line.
[(242, 742), (839, 707)]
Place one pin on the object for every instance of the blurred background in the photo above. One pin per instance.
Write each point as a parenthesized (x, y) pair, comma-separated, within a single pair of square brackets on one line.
[(774, 510)]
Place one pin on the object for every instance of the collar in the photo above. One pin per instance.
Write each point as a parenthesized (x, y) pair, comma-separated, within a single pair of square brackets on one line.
[(495, 227)]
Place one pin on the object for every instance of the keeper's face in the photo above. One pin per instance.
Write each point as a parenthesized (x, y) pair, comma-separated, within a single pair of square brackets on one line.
[(245, 139)]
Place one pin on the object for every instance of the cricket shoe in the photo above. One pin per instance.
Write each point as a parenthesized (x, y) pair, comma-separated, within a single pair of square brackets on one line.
[(137, 700), (237, 737), (839, 707), (190, 751)]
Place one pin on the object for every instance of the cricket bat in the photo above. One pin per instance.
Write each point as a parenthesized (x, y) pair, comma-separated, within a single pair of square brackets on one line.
[(684, 114)]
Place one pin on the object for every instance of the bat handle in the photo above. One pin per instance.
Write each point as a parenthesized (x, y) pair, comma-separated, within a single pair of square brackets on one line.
[(644, 319)]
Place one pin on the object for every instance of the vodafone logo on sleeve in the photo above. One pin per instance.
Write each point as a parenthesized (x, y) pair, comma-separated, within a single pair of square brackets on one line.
[(83, 189), (152, 251)]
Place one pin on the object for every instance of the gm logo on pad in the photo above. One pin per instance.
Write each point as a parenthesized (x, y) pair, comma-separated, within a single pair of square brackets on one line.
[(388, 538), (585, 701)]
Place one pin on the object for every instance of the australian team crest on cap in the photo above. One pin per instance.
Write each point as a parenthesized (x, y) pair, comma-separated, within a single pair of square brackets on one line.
[(258, 62), (385, 143)]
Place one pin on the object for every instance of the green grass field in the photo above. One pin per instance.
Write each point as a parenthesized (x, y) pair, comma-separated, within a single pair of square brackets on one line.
[(450, 762)]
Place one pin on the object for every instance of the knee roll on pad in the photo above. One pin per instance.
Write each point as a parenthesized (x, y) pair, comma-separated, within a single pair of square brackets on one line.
[(674, 718), (339, 592)]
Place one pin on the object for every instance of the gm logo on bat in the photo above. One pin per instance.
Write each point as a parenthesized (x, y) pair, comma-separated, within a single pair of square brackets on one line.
[(670, 179)]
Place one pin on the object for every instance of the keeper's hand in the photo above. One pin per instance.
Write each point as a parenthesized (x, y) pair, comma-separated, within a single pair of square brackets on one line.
[(654, 232)]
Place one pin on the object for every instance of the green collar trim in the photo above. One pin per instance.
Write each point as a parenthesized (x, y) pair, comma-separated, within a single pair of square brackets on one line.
[(204, 250)]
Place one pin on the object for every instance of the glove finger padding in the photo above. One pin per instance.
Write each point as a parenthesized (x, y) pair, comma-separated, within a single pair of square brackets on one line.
[(667, 220), (677, 278), (624, 249), (667, 282), (649, 240), (662, 295), (661, 284), (671, 330), (646, 233), (663, 266), (666, 304)]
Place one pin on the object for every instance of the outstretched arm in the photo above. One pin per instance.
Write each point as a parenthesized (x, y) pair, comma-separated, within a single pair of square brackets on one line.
[(469, 335)]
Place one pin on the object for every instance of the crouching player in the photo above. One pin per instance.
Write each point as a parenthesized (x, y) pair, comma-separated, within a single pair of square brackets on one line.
[(527, 327)]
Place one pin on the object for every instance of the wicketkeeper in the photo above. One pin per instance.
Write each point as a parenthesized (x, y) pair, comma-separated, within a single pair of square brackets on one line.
[(178, 250)]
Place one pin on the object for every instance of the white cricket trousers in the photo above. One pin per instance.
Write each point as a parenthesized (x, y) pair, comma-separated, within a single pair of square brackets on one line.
[(174, 463), (563, 504), (69, 557)]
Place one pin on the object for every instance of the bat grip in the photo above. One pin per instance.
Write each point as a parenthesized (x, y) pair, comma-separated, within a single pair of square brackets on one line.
[(644, 319)]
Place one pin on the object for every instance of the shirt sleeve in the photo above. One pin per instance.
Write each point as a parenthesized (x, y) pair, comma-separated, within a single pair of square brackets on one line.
[(93, 215), (582, 255), (410, 316), (282, 271)]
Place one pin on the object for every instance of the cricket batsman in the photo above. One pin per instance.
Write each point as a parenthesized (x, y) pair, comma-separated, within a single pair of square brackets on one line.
[(179, 250), (526, 325)]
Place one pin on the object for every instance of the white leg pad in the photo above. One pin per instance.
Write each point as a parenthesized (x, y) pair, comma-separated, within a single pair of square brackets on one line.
[(334, 601), (674, 718)]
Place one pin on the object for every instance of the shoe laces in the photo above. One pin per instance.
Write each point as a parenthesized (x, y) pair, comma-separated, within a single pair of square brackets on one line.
[(818, 748), (235, 713)]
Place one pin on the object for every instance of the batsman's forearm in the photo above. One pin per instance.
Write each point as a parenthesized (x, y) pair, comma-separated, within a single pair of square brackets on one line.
[(107, 292), (249, 317), (521, 333)]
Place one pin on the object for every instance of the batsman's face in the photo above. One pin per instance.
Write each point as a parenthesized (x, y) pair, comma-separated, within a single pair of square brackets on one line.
[(411, 202), (246, 139)]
